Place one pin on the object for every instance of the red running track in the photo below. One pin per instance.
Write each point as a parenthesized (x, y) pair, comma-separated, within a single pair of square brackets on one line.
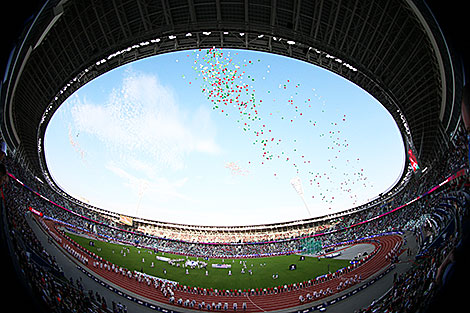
[(255, 303)]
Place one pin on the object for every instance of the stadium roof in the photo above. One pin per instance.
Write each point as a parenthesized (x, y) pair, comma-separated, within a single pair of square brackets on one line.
[(392, 49)]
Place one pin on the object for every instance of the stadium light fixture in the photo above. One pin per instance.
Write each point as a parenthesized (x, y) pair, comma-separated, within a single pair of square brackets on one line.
[(297, 185)]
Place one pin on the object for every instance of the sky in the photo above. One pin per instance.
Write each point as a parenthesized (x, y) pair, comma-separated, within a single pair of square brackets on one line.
[(223, 137)]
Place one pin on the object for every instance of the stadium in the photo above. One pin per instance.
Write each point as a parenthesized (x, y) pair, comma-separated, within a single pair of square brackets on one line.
[(402, 249)]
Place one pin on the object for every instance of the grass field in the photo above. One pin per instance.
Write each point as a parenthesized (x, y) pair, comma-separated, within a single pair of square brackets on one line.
[(262, 268)]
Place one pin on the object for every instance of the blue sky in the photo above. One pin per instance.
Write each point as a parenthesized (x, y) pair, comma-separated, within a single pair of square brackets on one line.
[(215, 137)]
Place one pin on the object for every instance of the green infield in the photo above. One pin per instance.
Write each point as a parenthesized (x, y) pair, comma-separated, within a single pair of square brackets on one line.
[(243, 273)]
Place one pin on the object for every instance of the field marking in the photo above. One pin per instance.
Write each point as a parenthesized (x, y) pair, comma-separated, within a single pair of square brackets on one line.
[(255, 304)]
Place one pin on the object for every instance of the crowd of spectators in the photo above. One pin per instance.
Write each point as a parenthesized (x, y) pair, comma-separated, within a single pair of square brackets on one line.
[(416, 289), (436, 281), (405, 218)]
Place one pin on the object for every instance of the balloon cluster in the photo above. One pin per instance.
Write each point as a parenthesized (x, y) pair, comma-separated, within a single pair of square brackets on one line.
[(270, 117)]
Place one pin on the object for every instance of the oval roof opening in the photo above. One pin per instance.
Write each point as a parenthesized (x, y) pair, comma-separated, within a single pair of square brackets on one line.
[(223, 137)]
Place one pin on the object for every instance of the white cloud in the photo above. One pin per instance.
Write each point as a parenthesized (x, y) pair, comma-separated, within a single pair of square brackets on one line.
[(141, 166), (160, 188), (142, 120)]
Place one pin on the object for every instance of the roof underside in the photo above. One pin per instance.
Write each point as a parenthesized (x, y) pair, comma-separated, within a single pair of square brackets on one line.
[(392, 49)]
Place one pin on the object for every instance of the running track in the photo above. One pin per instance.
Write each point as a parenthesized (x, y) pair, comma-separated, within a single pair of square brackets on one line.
[(255, 303)]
